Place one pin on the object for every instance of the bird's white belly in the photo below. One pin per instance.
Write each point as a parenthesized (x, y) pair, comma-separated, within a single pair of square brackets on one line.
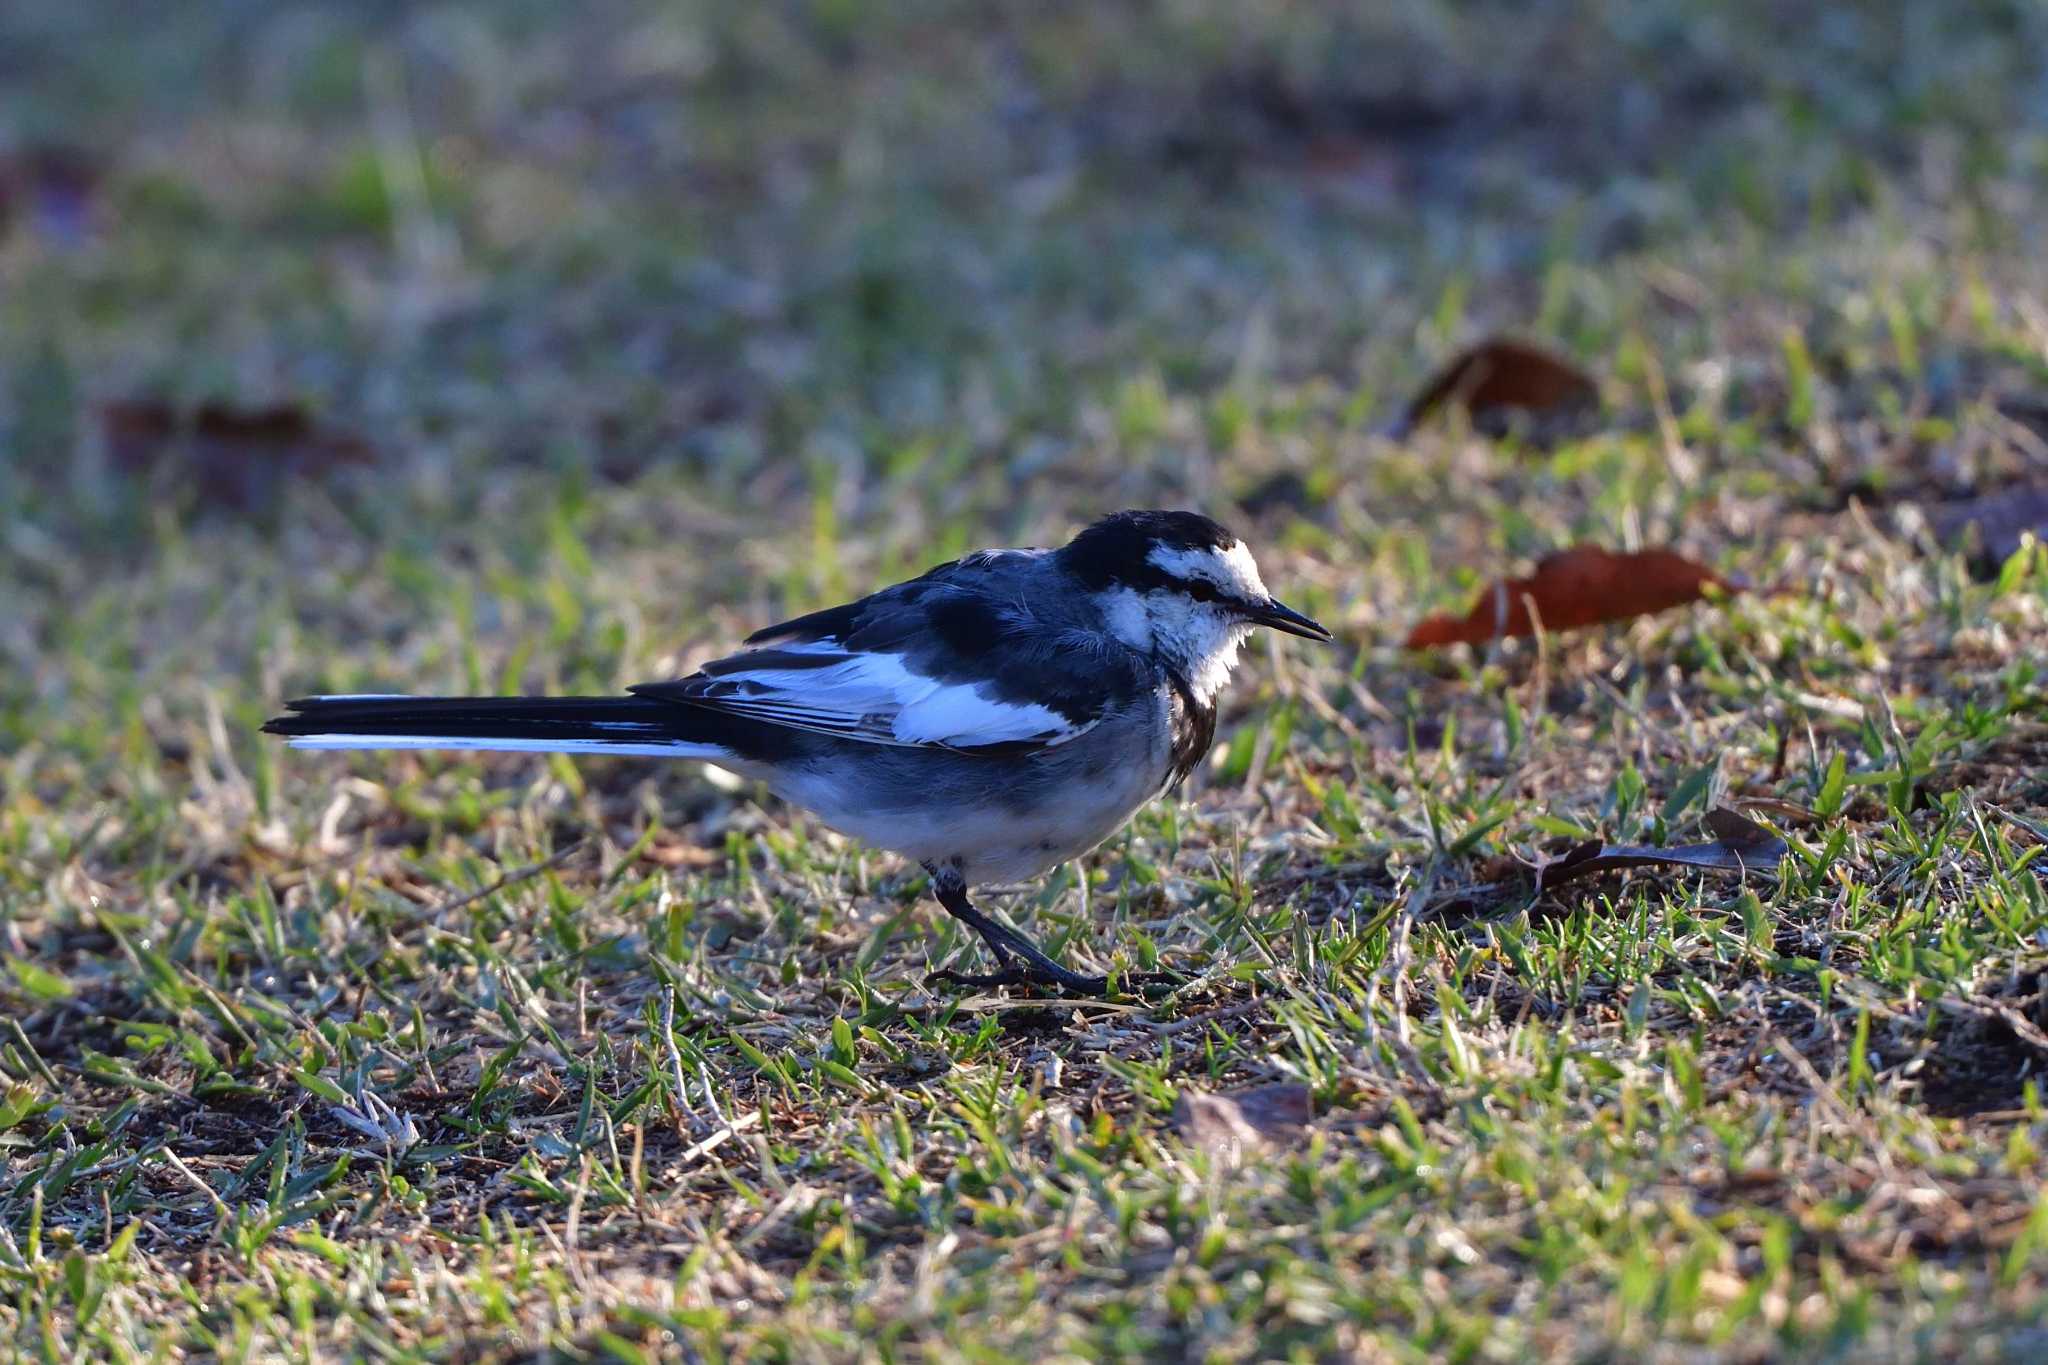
[(996, 839), (1005, 846)]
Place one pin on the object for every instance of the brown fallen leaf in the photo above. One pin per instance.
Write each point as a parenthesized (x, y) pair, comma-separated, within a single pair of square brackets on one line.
[(1232, 1125), (1740, 845), (231, 456), (667, 850), (1497, 379), (1786, 812), (1581, 586), (1992, 524)]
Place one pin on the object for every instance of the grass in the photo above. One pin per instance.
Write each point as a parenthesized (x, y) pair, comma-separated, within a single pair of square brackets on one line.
[(663, 324)]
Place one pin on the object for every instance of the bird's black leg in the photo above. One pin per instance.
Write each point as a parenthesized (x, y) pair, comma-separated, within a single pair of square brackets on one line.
[(1020, 961)]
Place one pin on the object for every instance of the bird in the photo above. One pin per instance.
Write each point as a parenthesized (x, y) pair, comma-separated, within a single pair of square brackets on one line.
[(990, 719)]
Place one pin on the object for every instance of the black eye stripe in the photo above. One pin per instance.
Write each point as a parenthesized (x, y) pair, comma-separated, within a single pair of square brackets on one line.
[(1200, 589), (1152, 578)]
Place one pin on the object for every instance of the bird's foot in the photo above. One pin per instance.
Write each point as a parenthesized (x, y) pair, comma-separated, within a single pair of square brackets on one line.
[(1054, 979), (1019, 961)]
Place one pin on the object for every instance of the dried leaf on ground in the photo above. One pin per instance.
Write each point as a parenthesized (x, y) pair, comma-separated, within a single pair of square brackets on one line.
[(1783, 811), (1498, 379), (1233, 1124), (234, 456), (1581, 586), (1994, 523), (1740, 845)]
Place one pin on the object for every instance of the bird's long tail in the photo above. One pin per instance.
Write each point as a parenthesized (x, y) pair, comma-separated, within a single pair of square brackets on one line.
[(571, 725)]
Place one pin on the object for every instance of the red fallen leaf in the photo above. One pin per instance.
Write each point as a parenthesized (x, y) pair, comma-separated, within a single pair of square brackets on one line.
[(1582, 586), (1496, 379), (230, 455)]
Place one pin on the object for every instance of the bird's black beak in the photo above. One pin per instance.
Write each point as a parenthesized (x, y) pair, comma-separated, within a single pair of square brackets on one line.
[(1279, 616)]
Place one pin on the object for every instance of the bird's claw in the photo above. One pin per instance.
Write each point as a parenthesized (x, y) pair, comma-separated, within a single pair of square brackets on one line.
[(1061, 982)]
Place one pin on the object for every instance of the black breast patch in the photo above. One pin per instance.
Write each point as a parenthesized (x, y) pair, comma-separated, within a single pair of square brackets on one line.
[(1192, 723)]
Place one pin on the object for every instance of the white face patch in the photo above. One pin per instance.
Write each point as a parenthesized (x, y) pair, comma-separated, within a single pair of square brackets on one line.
[(1212, 653), (1129, 617), (1232, 570), (1200, 638)]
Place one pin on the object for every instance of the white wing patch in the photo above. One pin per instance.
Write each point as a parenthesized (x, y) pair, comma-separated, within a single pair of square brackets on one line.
[(877, 698)]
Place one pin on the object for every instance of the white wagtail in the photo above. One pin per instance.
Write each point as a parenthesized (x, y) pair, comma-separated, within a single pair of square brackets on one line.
[(991, 719)]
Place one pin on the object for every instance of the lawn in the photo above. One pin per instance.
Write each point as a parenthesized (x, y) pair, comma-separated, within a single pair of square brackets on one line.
[(520, 347)]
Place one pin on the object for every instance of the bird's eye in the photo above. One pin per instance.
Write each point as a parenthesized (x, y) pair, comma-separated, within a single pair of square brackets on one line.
[(1202, 590)]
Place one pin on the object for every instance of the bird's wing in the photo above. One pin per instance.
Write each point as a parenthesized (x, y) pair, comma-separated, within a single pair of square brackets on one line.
[(941, 660)]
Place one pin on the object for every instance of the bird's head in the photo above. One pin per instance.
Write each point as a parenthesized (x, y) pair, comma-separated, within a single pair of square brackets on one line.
[(1179, 585)]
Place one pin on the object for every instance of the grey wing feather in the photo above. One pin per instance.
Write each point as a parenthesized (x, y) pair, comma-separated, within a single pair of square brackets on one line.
[(941, 660)]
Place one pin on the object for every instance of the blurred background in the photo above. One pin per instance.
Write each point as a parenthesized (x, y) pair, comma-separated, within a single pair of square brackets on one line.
[(380, 301)]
